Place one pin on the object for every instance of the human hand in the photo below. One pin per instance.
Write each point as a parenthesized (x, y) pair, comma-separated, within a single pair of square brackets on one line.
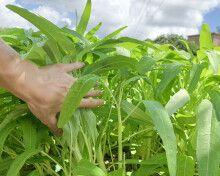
[(44, 89)]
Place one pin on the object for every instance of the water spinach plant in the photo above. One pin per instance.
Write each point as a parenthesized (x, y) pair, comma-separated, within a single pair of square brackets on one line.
[(161, 115)]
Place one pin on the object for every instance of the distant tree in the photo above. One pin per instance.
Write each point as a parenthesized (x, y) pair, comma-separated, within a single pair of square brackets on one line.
[(177, 41), (218, 29), (173, 39)]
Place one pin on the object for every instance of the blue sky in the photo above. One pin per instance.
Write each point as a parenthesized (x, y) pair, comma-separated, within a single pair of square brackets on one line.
[(213, 18)]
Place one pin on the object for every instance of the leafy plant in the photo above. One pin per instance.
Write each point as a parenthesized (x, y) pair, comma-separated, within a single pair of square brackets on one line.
[(161, 115)]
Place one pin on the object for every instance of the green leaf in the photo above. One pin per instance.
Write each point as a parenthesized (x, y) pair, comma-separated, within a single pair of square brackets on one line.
[(205, 37), (110, 63), (4, 165), (158, 159), (145, 64), (70, 134), (164, 127), (73, 34), (4, 134), (177, 101), (18, 111), (48, 28), (169, 74), (82, 26), (86, 168), (34, 173), (115, 33), (52, 50), (195, 74), (29, 134), (37, 55), (93, 31), (149, 166), (136, 113), (214, 59), (186, 166), (89, 122), (20, 161), (215, 99), (118, 172), (74, 96), (138, 42), (208, 140)]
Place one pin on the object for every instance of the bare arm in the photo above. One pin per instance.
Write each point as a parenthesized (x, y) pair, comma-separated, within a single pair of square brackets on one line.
[(44, 89)]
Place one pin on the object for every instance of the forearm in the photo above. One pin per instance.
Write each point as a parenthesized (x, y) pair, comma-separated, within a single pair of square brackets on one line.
[(13, 71)]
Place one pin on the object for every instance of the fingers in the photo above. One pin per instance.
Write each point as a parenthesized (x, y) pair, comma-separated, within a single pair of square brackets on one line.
[(94, 93), (91, 103), (71, 67), (49, 120)]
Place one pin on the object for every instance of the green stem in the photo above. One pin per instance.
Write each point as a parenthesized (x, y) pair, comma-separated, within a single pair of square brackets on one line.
[(120, 147), (71, 147), (52, 159), (100, 159), (88, 146), (110, 151), (133, 135)]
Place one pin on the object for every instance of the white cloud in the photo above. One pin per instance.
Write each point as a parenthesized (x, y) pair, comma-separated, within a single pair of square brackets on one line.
[(11, 19), (144, 18), (53, 15)]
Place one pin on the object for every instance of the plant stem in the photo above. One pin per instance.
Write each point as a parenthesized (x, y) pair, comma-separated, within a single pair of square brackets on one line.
[(110, 151), (87, 144), (52, 159), (71, 146), (133, 135), (120, 147), (100, 159)]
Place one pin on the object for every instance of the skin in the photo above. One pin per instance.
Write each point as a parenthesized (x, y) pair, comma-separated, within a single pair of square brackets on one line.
[(43, 89)]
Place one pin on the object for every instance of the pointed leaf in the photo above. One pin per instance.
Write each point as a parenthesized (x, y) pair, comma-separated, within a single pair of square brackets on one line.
[(169, 74), (48, 28), (186, 166), (145, 65), (81, 28), (29, 134), (86, 168), (208, 140), (4, 134), (205, 37), (215, 99), (115, 33), (18, 111), (164, 127), (110, 63), (74, 96), (195, 74), (93, 31), (136, 113), (177, 101), (20, 161)]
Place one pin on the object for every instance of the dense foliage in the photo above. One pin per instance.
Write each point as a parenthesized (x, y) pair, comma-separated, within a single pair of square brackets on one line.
[(161, 115)]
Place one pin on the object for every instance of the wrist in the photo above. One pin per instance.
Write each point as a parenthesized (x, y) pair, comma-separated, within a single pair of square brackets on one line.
[(15, 78)]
